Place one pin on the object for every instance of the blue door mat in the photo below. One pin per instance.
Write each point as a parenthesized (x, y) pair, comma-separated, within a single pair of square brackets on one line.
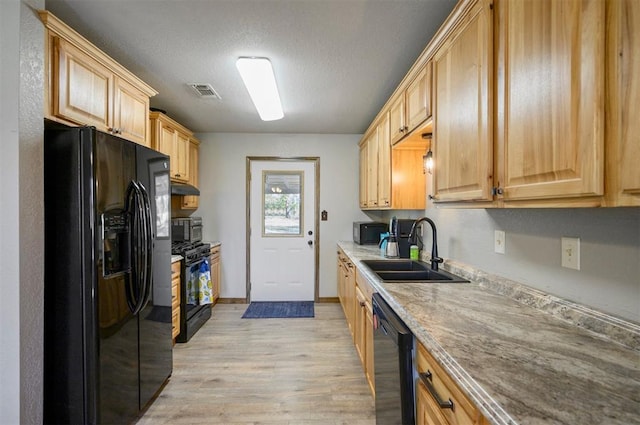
[(279, 310)]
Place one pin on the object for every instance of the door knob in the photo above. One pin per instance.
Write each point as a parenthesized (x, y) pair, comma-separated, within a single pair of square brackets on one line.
[(310, 233), (309, 243)]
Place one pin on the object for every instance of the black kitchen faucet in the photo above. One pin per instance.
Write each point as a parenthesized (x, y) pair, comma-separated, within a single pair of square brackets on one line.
[(434, 241)]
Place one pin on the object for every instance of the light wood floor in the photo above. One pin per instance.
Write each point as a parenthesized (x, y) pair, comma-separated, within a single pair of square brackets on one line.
[(266, 371)]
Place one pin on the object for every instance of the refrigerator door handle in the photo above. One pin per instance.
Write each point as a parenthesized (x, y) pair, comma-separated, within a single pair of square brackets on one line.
[(139, 209), (132, 281), (141, 251), (148, 245)]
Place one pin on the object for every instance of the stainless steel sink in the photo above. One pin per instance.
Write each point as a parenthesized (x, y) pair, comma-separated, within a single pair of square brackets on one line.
[(405, 270)]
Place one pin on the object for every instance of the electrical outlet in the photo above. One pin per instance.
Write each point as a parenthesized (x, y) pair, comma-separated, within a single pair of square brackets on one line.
[(571, 253), (499, 241)]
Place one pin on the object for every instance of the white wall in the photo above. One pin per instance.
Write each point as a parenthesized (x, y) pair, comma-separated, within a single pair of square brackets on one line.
[(609, 278), (21, 216), (9, 284), (223, 195)]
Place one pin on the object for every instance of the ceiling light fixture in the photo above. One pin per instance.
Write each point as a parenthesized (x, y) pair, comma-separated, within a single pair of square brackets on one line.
[(257, 74)]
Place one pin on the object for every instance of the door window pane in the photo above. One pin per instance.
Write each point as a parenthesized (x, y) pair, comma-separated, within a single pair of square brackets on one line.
[(282, 203)]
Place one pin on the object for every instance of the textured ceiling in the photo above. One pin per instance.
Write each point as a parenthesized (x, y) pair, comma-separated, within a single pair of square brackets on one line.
[(336, 61)]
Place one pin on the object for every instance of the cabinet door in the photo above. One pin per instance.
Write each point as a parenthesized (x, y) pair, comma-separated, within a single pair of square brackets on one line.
[(384, 163), (81, 87), (350, 298), (550, 103), (372, 169), (130, 113), (368, 344), (427, 411), (166, 143), (191, 202), (182, 157), (463, 141), (364, 172), (360, 318), (175, 298), (397, 123), (214, 261), (418, 98), (623, 103)]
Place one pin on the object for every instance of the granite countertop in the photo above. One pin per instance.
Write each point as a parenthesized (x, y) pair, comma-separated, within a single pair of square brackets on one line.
[(518, 362), (175, 258), (213, 244)]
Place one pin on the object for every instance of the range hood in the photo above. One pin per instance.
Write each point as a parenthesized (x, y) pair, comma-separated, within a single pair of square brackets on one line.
[(184, 189)]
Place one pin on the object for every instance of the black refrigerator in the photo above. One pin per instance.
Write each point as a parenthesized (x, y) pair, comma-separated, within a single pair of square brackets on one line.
[(107, 289)]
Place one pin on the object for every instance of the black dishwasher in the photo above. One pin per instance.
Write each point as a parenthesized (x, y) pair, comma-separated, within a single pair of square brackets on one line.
[(393, 346)]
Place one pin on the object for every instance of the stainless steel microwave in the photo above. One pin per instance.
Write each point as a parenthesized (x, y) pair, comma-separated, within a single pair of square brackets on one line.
[(186, 229), (368, 232)]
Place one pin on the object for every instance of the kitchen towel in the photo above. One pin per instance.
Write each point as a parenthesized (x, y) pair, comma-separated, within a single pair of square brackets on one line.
[(279, 309), (199, 285)]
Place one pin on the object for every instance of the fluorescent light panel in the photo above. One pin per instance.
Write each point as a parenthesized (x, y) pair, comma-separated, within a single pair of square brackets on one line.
[(258, 77)]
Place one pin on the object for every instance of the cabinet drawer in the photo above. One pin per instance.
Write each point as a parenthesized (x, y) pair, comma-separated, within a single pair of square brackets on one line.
[(364, 286), (463, 412), (215, 252), (175, 270), (175, 322)]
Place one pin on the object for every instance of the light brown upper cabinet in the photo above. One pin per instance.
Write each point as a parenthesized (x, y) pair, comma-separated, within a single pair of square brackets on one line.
[(462, 125), (171, 138), (418, 98), (81, 86), (622, 127), (384, 162), (550, 100), (412, 106), (372, 168), (398, 127), (364, 172), (391, 178), (191, 202), (534, 105), (130, 112), (87, 87)]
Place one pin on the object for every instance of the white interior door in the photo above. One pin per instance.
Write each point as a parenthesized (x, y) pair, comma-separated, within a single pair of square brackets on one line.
[(282, 234)]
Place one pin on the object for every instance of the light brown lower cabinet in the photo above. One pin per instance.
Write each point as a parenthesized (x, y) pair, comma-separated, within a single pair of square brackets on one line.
[(368, 348), (355, 295), (175, 299), (439, 401), (214, 262), (360, 325)]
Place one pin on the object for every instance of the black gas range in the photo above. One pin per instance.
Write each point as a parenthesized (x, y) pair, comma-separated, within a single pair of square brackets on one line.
[(193, 311), (190, 251)]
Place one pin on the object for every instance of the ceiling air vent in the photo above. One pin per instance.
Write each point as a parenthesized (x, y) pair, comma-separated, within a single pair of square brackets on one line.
[(205, 90)]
